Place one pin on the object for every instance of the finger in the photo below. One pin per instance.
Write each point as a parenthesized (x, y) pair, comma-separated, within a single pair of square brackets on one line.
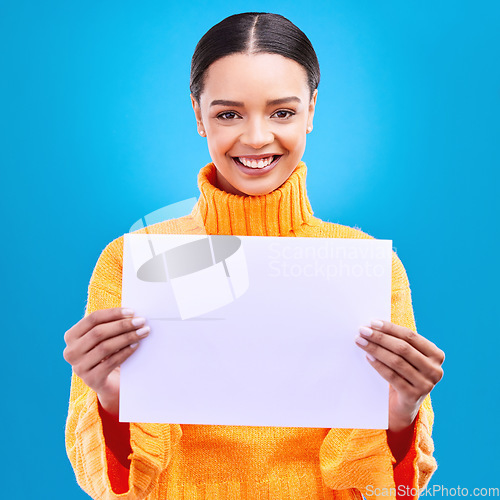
[(399, 347), (94, 319), (400, 384), (99, 373), (423, 345), (105, 331), (429, 368), (106, 349), (79, 347), (394, 362)]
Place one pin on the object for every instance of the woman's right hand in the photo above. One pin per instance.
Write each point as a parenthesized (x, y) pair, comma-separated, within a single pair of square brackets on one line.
[(98, 344)]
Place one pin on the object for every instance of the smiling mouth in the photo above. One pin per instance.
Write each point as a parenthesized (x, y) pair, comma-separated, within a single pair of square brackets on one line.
[(256, 163)]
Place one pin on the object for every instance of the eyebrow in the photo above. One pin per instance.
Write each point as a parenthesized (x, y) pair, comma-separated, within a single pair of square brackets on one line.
[(223, 102), (274, 102), (283, 100)]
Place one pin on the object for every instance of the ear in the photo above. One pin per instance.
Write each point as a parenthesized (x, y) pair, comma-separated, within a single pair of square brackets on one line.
[(197, 114), (312, 107)]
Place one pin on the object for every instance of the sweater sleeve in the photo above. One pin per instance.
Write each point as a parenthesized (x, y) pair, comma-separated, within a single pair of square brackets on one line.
[(152, 445), (361, 458)]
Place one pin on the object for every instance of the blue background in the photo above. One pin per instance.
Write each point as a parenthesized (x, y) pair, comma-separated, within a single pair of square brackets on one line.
[(96, 130)]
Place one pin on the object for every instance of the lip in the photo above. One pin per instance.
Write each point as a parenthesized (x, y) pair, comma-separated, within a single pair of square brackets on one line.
[(256, 171), (256, 157)]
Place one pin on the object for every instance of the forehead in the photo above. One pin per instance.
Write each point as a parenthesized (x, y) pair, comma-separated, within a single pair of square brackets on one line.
[(246, 77)]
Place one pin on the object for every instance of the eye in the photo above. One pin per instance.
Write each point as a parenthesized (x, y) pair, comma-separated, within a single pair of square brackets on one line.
[(283, 114), (227, 115)]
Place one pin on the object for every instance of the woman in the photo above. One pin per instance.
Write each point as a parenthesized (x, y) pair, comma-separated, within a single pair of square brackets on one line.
[(254, 80)]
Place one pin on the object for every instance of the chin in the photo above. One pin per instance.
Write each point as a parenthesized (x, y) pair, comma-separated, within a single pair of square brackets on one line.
[(259, 189), (258, 192), (252, 187)]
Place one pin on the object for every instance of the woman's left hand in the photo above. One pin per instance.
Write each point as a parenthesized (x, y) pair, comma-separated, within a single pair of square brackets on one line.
[(409, 362)]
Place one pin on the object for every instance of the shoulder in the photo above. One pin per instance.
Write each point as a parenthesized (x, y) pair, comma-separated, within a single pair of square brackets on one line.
[(107, 273), (321, 229), (188, 224), (113, 252)]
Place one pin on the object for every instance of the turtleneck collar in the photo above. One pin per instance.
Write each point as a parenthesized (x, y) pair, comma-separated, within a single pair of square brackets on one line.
[(279, 213)]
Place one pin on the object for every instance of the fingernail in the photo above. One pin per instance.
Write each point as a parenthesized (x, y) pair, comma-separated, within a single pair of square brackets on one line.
[(134, 345), (364, 330), (143, 331), (138, 321), (361, 341), (376, 323), (127, 312), (370, 357)]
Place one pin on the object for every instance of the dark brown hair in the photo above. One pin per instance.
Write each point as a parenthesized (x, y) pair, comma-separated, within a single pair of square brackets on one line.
[(253, 33)]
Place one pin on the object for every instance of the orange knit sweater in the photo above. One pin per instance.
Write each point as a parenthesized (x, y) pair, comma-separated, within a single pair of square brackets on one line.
[(176, 461)]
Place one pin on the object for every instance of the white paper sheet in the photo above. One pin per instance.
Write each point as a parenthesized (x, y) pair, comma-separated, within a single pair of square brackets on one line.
[(268, 332)]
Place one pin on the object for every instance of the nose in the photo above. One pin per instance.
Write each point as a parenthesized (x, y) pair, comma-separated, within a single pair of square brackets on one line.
[(257, 134)]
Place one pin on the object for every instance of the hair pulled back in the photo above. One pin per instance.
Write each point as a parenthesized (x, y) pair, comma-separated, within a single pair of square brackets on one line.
[(253, 33)]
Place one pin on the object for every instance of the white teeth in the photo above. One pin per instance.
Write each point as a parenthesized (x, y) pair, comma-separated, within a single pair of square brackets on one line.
[(263, 162)]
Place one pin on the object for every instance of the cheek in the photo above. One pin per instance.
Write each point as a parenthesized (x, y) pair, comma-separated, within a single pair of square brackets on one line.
[(295, 141), (219, 142)]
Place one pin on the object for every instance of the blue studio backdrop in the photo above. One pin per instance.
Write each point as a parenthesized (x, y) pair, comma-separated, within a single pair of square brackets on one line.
[(97, 130)]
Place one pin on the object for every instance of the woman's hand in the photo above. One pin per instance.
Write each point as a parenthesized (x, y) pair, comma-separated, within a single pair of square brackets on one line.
[(409, 362), (96, 347)]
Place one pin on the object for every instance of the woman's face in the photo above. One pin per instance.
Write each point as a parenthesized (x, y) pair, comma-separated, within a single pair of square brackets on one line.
[(255, 111)]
